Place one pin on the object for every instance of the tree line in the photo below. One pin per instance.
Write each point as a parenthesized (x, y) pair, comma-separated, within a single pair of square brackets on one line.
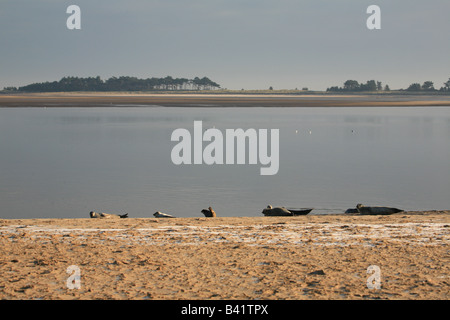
[(372, 85), (353, 85), (118, 84)]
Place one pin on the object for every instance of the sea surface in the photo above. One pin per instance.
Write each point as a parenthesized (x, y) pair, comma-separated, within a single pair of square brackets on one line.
[(66, 162)]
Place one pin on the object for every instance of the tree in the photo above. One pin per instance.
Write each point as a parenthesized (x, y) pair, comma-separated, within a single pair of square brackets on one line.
[(9, 88), (428, 86), (368, 86), (414, 87), (447, 85), (386, 88), (379, 86), (334, 89), (351, 85)]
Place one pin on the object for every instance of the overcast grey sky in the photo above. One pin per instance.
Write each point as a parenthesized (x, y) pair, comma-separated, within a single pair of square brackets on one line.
[(251, 44)]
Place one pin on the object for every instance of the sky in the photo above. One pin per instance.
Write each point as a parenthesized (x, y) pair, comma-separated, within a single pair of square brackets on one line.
[(240, 44)]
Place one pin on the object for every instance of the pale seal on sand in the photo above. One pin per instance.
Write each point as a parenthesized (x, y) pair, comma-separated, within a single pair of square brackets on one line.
[(158, 214), (210, 213), (102, 215), (277, 211), (376, 210)]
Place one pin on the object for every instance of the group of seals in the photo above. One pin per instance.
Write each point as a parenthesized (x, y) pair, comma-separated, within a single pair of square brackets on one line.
[(362, 210), (269, 211), (210, 213)]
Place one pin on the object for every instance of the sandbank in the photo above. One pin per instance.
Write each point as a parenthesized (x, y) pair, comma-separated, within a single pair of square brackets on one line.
[(215, 100), (272, 258)]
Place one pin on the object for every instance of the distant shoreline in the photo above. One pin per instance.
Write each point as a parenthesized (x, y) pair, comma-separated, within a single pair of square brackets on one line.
[(119, 99)]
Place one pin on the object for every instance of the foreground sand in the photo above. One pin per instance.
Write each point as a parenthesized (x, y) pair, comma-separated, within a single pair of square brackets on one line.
[(307, 257)]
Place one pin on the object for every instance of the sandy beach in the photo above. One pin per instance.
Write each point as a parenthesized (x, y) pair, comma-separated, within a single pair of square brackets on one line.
[(269, 258)]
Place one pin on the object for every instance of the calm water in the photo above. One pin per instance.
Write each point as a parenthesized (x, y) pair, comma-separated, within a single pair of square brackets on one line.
[(65, 162)]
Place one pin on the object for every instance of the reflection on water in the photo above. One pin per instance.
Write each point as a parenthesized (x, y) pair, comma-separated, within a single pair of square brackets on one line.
[(65, 162)]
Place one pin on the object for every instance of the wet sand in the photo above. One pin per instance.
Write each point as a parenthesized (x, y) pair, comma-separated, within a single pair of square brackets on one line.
[(216, 100), (271, 258)]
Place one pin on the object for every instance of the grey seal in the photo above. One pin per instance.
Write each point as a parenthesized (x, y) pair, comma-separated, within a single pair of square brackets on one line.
[(158, 214), (377, 210), (102, 215), (210, 213), (277, 211)]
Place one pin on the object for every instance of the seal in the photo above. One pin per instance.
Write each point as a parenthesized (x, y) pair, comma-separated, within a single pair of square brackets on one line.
[(210, 213), (277, 211), (158, 214), (377, 210), (102, 215)]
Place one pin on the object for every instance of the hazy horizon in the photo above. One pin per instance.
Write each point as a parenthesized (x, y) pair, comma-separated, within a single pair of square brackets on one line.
[(239, 44)]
